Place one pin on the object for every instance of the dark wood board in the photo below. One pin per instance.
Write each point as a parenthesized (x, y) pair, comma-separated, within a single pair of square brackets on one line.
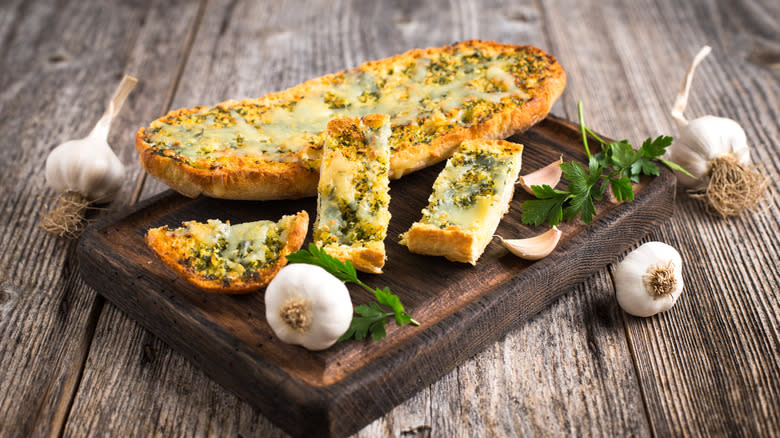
[(462, 308)]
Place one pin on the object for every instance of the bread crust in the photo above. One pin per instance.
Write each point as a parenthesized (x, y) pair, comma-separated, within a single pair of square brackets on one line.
[(453, 243), (368, 258), (158, 241), (252, 179)]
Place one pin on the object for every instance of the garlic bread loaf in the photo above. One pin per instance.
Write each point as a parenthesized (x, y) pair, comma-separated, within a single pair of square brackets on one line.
[(270, 147), (470, 196), (224, 258), (353, 199)]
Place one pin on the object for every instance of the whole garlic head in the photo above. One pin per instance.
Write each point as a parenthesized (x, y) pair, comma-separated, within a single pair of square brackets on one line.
[(305, 305), (87, 166), (649, 279), (703, 140)]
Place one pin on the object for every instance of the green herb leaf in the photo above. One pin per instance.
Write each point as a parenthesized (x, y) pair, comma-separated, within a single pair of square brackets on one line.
[(549, 208), (372, 321), (655, 148), (622, 188), (617, 165), (344, 271), (373, 318)]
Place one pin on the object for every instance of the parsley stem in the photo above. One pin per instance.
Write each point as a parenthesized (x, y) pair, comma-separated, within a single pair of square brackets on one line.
[(583, 128), (594, 135)]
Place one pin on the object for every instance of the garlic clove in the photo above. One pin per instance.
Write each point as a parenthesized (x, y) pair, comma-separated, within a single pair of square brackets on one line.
[(649, 279), (549, 175), (533, 248)]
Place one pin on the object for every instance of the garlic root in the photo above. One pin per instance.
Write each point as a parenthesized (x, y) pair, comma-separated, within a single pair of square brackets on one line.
[(533, 248), (733, 187), (549, 175), (66, 220)]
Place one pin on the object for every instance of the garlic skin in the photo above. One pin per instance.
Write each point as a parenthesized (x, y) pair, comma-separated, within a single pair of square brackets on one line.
[(87, 166), (703, 140), (652, 264), (305, 305)]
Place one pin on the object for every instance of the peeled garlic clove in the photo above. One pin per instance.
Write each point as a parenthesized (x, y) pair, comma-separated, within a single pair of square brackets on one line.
[(533, 248), (649, 279), (549, 175)]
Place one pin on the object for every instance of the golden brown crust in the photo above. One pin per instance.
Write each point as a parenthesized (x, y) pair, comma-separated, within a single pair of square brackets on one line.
[(452, 242), (369, 258), (171, 255), (239, 178)]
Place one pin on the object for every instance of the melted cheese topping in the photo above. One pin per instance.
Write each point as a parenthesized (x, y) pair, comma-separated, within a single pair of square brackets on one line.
[(219, 250), (425, 98), (353, 202), (471, 189)]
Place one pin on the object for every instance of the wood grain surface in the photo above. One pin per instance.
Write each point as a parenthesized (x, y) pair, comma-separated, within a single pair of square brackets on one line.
[(74, 366)]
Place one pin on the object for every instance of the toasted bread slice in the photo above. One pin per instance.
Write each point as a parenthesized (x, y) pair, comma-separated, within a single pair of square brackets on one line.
[(224, 258), (270, 147), (470, 196), (352, 205)]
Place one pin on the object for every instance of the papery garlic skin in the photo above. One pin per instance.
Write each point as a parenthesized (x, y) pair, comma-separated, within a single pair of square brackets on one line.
[(323, 297), (87, 166), (630, 279), (703, 140)]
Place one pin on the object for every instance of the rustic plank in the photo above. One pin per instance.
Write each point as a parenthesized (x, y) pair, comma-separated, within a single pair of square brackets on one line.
[(61, 63), (710, 366)]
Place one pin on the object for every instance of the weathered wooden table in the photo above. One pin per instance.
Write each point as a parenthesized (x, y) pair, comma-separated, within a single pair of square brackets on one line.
[(72, 364)]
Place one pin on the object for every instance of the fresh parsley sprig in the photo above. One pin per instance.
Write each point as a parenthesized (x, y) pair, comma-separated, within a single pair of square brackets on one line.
[(615, 166), (372, 317)]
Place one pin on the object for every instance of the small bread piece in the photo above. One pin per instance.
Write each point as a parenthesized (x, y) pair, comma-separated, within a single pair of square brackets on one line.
[(470, 196), (270, 147), (352, 206), (224, 258)]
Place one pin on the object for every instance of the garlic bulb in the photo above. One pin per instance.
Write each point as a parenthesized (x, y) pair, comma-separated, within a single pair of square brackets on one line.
[(704, 140), (85, 171), (533, 248), (305, 305), (715, 151), (87, 166), (649, 279)]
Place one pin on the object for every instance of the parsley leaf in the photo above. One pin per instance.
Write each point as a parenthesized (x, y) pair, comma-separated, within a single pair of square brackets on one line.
[(373, 318), (548, 208), (344, 271), (616, 166)]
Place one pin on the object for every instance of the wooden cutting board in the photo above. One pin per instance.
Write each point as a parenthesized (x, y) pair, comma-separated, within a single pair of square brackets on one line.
[(462, 308)]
